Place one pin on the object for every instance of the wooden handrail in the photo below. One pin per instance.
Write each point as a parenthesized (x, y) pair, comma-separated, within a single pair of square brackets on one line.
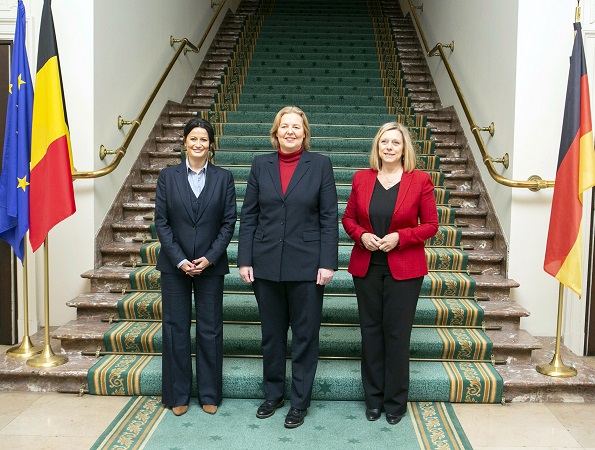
[(535, 182), (121, 151)]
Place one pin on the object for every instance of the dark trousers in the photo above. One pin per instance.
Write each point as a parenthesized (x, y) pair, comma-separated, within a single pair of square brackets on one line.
[(281, 304), (386, 312), (177, 295)]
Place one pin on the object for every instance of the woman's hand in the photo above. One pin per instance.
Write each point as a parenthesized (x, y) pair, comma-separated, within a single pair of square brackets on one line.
[(247, 274), (324, 276), (200, 264), (188, 268), (388, 242), (370, 241)]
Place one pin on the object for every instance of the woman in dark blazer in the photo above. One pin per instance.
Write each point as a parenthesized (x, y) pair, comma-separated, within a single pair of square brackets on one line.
[(195, 215), (288, 245), (391, 211)]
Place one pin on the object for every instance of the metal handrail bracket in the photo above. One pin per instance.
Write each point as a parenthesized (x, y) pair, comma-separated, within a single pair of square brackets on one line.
[(535, 182)]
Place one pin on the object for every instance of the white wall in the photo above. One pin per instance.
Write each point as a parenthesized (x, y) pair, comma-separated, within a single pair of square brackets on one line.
[(112, 54), (511, 62), (544, 50)]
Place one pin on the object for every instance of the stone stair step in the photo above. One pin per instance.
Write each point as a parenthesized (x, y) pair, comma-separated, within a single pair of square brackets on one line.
[(494, 287), (514, 348)]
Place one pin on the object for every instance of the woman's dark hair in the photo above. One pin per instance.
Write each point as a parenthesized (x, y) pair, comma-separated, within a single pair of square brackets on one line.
[(198, 122)]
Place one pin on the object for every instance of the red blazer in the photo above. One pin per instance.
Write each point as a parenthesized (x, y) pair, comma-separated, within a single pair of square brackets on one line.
[(415, 219)]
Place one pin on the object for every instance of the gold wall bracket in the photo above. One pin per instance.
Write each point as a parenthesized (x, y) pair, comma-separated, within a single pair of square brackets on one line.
[(505, 160), (192, 48), (122, 122), (489, 128), (103, 152), (436, 50)]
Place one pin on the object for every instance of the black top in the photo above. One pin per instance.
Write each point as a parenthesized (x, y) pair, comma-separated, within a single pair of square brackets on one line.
[(382, 206)]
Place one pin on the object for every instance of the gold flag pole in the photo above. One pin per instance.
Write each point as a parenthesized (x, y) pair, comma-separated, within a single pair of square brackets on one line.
[(27, 348), (47, 358), (557, 368)]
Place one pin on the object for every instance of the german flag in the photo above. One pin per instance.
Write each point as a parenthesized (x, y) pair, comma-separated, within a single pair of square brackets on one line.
[(51, 191), (574, 175)]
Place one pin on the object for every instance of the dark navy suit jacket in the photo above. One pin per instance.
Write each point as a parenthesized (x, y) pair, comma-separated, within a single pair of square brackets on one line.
[(185, 236), (289, 237)]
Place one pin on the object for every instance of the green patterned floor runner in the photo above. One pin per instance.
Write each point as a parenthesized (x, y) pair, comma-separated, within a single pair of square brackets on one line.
[(144, 423), (344, 71)]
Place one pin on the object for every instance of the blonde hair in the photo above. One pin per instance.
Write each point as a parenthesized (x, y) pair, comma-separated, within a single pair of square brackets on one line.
[(277, 123), (408, 159)]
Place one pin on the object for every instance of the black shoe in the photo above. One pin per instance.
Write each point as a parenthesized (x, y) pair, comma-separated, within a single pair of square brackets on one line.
[(393, 419), (373, 413), (268, 408), (295, 417)]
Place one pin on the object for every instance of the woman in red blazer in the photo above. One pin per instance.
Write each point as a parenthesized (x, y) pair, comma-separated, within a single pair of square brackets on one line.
[(390, 213)]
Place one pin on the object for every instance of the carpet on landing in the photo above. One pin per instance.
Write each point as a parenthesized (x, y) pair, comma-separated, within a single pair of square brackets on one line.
[(145, 423)]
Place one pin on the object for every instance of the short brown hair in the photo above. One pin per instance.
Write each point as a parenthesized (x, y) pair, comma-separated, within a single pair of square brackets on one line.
[(408, 159), (277, 123)]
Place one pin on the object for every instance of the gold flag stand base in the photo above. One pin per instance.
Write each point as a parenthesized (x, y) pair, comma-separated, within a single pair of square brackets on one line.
[(47, 359), (556, 368), (26, 350)]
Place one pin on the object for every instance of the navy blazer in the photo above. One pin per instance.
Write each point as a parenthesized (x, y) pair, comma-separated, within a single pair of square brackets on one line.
[(184, 236), (289, 237)]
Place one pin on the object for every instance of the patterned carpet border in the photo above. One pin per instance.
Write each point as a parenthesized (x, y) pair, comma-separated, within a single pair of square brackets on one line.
[(145, 423)]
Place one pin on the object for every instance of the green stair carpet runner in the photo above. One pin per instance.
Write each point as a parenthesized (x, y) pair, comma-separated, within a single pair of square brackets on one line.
[(344, 71), (145, 423)]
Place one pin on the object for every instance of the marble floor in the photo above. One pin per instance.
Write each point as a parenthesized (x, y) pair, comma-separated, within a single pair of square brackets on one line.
[(31, 420)]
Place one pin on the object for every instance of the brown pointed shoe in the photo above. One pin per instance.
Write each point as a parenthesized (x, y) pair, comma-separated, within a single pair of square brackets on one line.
[(209, 409), (180, 410)]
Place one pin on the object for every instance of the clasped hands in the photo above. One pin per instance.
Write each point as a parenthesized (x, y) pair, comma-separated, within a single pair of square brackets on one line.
[(372, 242), (195, 267)]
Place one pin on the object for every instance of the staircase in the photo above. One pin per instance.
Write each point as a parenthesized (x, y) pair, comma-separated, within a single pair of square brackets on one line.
[(259, 62)]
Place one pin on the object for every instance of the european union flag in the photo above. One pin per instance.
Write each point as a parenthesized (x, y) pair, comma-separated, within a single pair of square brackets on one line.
[(14, 180)]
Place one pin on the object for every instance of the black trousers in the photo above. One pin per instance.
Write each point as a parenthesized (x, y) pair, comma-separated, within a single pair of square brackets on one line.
[(386, 311), (177, 292), (281, 304)]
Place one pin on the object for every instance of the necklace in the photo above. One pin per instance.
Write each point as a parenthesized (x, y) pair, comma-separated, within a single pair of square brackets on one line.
[(388, 180)]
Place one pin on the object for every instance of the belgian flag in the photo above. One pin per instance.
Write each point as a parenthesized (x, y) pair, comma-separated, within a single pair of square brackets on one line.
[(51, 190), (574, 175)]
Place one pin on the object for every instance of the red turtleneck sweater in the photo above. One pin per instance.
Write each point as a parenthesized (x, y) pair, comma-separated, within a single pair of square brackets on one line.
[(287, 165)]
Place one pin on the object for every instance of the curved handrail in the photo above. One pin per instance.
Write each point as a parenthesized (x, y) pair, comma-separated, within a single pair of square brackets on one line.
[(121, 151), (535, 182)]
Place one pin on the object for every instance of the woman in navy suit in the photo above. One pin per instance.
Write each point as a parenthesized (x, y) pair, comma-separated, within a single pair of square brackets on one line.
[(195, 215), (390, 213), (287, 249)]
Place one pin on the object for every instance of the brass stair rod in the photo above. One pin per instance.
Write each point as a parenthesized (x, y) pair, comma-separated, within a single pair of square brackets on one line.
[(121, 151), (535, 182), (245, 322), (99, 353), (125, 291)]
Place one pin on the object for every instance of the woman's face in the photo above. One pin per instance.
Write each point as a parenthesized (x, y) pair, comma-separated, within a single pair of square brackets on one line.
[(390, 147), (290, 132), (197, 147)]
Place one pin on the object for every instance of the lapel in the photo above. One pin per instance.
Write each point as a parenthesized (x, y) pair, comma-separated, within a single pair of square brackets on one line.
[(302, 167), (207, 191), (181, 179), (406, 180), (275, 173)]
